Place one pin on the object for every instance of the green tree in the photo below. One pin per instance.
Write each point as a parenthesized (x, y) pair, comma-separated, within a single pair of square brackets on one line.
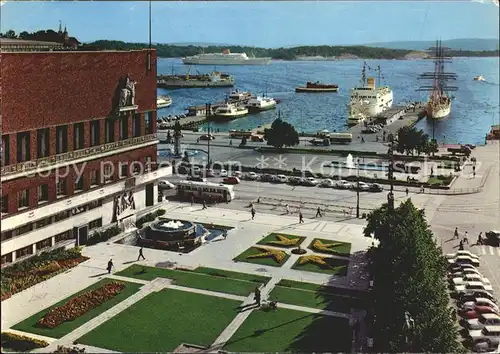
[(409, 277), (10, 34), (431, 147), (281, 134), (410, 140)]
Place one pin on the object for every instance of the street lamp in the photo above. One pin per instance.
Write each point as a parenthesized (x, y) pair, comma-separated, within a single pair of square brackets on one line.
[(357, 190), (390, 196), (208, 108)]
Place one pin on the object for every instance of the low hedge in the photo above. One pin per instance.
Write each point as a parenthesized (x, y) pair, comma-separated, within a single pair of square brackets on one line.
[(149, 217), (103, 235), (11, 341), (67, 350)]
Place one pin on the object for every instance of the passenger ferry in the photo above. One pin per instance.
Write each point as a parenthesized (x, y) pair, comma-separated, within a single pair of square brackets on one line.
[(230, 111), (225, 58), (259, 104), (368, 100), (317, 87)]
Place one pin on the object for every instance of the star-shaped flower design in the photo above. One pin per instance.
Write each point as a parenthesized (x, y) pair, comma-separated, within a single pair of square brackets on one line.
[(285, 241), (277, 255), (280, 161), (313, 259), (325, 247), (262, 162)]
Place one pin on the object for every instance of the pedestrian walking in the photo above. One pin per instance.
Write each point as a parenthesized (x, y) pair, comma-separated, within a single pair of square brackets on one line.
[(110, 266), (287, 209), (257, 296), (204, 204), (192, 200), (461, 246), (407, 191), (466, 239), (253, 213), (141, 255), (224, 234), (301, 218), (318, 213), (455, 235), (480, 239), (230, 142)]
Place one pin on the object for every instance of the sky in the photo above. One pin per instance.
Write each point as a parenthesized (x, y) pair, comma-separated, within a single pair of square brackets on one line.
[(260, 23)]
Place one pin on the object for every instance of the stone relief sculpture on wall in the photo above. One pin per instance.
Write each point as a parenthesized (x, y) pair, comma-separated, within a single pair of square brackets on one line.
[(127, 93)]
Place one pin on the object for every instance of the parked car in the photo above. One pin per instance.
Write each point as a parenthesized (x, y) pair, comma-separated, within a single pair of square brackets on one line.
[(464, 260), (486, 319), (295, 181), (196, 179), (310, 181), (476, 312), (487, 345), (164, 184), (463, 271), (266, 178), (207, 137), (488, 332), (257, 138), (461, 253), (231, 180), (375, 187), (327, 183), (473, 295), (480, 301), (343, 184), (223, 173), (236, 174), (281, 178), (362, 186), (493, 238), (210, 173), (252, 176), (470, 278), (473, 286)]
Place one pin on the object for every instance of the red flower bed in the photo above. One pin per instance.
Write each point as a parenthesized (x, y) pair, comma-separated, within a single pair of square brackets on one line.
[(70, 263), (80, 305)]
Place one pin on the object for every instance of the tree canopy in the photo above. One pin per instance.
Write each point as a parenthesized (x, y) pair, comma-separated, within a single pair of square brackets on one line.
[(409, 140), (281, 134), (409, 278)]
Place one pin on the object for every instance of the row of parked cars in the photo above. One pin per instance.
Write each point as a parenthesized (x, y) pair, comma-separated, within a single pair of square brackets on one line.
[(477, 307), (312, 182)]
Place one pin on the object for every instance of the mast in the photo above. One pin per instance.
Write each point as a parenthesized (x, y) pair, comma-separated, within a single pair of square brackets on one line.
[(363, 74), (379, 75), (439, 88)]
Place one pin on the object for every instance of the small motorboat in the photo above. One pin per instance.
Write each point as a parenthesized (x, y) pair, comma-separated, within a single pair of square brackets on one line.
[(163, 101), (317, 87), (479, 78)]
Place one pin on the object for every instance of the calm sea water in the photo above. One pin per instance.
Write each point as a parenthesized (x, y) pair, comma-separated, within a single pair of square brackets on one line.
[(474, 110)]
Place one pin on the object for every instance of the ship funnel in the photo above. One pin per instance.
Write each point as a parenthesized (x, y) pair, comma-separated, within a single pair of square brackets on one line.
[(371, 82)]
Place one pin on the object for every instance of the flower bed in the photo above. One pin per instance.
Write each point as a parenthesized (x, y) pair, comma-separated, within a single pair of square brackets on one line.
[(281, 240), (80, 305), (331, 247), (14, 342), (67, 350), (36, 269), (264, 256)]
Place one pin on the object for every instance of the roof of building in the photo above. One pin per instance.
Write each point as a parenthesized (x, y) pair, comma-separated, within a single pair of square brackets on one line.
[(17, 41)]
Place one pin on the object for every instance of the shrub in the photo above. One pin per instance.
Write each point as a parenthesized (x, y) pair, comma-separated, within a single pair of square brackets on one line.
[(80, 305), (11, 341), (149, 217), (104, 235), (67, 350)]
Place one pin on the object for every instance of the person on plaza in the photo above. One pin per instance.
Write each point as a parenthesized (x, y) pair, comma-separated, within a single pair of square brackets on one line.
[(407, 191), (461, 246), (192, 200), (204, 204), (466, 239), (287, 210), (110, 266), (455, 235), (257, 296), (480, 239), (141, 255), (230, 142), (301, 217), (224, 234), (253, 213), (318, 213)]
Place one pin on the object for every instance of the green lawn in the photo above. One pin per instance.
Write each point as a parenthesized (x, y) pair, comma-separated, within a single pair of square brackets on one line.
[(163, 320), (342, 249), (336, 267), (193, 279), (30, 324), (264, 261), (233, 275), (360, 294), (271, 238), (284, 330)]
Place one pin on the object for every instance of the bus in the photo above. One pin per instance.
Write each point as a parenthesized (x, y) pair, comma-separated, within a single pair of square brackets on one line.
[(240, 133), (340, 138), (209, 192)]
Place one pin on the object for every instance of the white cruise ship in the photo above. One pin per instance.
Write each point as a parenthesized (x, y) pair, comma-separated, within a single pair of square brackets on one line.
[(368, 100), (224, 58)]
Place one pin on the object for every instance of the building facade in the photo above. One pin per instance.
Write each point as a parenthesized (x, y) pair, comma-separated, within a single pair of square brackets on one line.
[(78, 145)]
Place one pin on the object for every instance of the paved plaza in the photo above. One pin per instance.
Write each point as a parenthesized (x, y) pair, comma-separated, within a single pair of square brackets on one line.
[(471, 212)]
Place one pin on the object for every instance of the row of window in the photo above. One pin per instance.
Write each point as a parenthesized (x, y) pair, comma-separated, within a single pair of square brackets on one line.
[(24, 229), (61, 188), (47, 243), (43, 138)]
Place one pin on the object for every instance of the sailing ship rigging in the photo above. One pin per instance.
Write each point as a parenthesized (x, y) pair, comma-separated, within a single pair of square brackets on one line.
[(439, 103)]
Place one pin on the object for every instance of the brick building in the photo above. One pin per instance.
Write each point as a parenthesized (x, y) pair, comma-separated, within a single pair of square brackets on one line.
[(78, 145)]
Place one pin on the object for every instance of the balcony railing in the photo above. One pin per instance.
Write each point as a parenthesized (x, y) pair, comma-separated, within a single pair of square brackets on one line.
[(74, 155)]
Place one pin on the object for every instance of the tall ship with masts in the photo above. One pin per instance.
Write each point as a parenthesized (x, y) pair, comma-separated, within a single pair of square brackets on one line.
[(440, 99), (368, 100)]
